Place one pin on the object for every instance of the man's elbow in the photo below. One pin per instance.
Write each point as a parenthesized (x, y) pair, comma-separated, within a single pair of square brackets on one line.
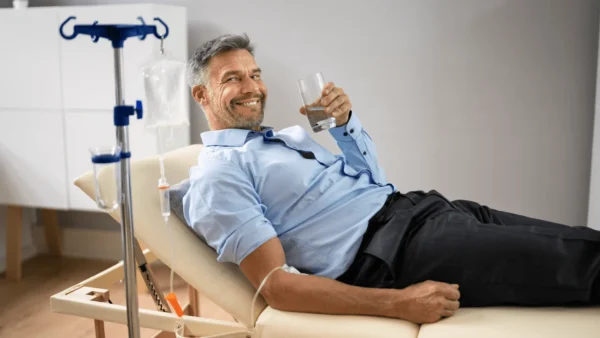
[(277, 290)]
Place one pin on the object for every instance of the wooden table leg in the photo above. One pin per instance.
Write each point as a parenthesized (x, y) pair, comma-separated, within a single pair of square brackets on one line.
[(99, 324), (99, 328), (14, 225), (49, 219)]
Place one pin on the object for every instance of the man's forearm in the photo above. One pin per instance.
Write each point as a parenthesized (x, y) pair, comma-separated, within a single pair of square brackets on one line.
[(305, 293)]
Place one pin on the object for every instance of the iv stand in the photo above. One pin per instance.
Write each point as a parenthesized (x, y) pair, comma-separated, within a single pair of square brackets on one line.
[(118, 34), (127, 239)]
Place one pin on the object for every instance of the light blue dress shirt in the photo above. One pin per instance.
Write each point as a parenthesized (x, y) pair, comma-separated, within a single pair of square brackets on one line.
[(249, 187)]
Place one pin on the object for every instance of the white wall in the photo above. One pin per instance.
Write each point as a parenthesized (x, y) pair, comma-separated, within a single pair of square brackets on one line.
[(487, 100)]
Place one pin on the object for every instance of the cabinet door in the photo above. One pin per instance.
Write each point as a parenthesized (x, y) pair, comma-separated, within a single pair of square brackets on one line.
[(85, 130), (32, 159), (30, 68), (88, 67)]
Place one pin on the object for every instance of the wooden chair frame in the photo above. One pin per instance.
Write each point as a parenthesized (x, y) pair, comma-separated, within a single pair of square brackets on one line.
[(89, 299)]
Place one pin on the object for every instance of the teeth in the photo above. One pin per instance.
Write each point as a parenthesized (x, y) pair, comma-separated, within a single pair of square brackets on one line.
[(249, 104)]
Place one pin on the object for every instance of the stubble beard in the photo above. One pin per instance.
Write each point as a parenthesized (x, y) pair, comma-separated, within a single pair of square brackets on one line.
[(234, 120)]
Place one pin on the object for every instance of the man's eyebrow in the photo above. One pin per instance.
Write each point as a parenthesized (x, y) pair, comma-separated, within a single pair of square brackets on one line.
[(238, 72), (229, 73)]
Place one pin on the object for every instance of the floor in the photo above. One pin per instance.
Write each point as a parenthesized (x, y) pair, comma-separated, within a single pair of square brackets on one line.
[(26, 304)]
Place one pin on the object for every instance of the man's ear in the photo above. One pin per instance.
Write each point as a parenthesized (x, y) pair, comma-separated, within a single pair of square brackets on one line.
[(200, 95)]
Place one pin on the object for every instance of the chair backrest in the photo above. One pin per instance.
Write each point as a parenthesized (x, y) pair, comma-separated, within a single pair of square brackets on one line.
[(195, 261)]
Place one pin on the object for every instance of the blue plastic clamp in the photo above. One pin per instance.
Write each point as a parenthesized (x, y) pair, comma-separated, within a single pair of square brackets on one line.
[(122, 113)]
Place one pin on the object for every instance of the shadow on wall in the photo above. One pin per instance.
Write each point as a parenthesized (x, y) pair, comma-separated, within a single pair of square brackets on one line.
[(199, 33)]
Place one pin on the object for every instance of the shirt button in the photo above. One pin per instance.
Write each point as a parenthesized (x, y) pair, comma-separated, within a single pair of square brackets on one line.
[(364, 152), (345, 134), (351, 131)]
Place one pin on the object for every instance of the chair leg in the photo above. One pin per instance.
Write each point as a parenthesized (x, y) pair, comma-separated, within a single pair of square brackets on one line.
[(49, 219), (99, 324), (14, 227), (194, 301), (99, 328), (140, 284)]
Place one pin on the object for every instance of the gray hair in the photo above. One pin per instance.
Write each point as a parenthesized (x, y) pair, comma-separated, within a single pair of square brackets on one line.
[(197, 66)]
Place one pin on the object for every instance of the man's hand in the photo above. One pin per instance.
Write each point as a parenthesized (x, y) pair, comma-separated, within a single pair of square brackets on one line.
[(337, 103), (427, 302)]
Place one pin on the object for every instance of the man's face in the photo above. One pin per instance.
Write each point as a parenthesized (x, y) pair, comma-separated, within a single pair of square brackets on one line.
[(235, 93)]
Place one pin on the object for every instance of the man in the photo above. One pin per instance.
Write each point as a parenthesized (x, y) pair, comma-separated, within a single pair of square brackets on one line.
[(263, 199)]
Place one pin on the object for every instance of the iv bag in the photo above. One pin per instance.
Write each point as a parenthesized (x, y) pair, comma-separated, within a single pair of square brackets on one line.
[(166, 92)]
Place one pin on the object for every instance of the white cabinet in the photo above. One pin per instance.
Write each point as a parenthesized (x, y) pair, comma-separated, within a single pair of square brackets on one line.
[(30, 64), (32, 159), (57, 96)]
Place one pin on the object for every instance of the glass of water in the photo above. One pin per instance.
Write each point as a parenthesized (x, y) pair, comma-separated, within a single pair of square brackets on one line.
[(311, 88)]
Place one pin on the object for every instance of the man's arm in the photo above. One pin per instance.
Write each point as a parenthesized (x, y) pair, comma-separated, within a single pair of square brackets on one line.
[(224, 208), (420, 303), (356, 144)]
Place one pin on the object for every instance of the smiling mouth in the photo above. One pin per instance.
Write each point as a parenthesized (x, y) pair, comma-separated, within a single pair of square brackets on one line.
[(248, 104)]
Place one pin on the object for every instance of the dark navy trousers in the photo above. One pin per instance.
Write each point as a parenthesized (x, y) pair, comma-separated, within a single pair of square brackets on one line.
[(496, 257)]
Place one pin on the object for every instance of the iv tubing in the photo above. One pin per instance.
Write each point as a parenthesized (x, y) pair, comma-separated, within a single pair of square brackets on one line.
[(258, 292)]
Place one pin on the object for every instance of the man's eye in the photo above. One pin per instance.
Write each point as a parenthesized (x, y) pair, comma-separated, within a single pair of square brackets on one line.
[(256, 77), (233, 78)]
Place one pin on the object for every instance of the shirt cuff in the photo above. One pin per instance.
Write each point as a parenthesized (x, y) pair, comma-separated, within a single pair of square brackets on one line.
[(348, 132)]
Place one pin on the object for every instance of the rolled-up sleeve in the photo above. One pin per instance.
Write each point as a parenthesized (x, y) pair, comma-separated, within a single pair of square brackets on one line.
[(223, 207)]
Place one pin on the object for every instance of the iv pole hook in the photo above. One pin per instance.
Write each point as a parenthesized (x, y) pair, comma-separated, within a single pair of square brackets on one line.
[(72, 36)]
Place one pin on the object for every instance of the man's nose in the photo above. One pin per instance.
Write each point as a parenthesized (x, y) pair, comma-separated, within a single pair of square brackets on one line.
[(249, 85)]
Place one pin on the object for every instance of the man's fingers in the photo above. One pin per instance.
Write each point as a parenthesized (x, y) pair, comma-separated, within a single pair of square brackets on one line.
[(327, 88), (302, 110), (333, 94), (346, 107), (447, 313), (336, 113), (452, 305), (450, 293), (335, 104)]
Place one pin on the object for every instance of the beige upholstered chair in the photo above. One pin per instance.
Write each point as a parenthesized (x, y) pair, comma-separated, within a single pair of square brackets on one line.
[(227, 287)]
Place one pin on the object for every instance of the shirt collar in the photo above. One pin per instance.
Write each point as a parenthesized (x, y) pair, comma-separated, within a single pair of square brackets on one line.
[(231, 137)]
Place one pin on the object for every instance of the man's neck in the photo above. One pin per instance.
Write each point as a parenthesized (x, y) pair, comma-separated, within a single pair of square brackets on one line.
[(216, 124), (222, 126)]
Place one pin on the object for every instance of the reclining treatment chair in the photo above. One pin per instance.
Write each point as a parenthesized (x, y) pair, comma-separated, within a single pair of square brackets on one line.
[(226, 286)]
